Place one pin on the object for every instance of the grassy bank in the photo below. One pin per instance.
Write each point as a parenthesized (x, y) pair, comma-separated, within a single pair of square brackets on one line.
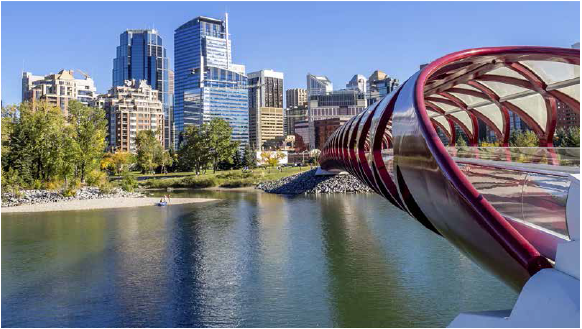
[(228, 179)]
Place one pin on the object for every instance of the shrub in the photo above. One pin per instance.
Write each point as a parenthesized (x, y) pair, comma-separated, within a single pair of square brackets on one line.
[(162, 183), (128, 182), (53, 184), (235, 175), (96, 178), (195, 182), (11, 181), (238, 183), (69, 192), (36, 184), (106, 188)]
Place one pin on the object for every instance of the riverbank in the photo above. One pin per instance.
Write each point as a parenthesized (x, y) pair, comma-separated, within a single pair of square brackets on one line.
[(222, 179), (309, 183), (105, 203), (33, 197)]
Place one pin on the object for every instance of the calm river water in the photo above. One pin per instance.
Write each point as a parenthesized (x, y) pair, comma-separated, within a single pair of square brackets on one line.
[(251, 260)]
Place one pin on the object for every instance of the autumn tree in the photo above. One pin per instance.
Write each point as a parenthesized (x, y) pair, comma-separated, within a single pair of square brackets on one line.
[(271, 158)]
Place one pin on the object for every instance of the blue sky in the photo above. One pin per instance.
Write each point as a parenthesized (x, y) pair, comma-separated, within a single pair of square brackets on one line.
[(337, 39)]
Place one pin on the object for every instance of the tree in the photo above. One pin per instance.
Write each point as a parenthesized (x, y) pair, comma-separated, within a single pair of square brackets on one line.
[(165, 160), (9, 120), (174, 155), (461, 141), (315, 153), (567, 137), (222, 148), (149, 150), (194, 150), (523, 139), (117, 162), (70, 153), (271, 158), (89, 130), (237, 160), (249, 159), (36, 142)]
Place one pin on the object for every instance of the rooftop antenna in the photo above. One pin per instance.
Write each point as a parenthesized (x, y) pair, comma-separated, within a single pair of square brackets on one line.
[(226, 35)]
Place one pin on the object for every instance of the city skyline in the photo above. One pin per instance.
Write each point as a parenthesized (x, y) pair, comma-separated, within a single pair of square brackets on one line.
[(293, 48)]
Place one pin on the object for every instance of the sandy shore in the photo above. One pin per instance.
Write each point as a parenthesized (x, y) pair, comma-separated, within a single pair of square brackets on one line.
[(98, 204)]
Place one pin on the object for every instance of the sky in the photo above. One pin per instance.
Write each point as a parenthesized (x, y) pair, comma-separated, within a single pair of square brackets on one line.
[(336, 39)]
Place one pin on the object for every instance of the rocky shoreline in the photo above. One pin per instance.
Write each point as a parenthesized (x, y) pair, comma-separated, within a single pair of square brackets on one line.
[(308, 183), (44, 196)]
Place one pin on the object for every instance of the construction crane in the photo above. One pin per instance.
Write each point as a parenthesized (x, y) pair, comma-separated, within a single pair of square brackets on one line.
[(84, 74)]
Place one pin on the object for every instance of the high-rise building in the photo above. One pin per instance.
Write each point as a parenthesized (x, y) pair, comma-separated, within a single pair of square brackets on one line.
[(296, 97), (567, 117), (171, 82), (265, 107), (141, 55), (359, 83), (342, 104), (380, 85), (58, 89), (318, 85), (206, 83), (130, 109), (292, 115)]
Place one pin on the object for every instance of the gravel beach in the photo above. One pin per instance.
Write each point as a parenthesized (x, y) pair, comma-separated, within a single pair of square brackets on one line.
[(308, 183), (121, 202)]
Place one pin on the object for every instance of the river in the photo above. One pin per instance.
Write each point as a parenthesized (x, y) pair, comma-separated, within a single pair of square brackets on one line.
[(251, 259)]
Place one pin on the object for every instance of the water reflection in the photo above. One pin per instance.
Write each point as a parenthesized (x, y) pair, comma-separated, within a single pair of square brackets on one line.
[(250, 259)]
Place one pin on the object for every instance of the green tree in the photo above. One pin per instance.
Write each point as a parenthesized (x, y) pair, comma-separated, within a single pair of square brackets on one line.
[(567, 137), (89, 130), (36, 142), (149, 151), (194, 150), (70, 152), (222, 148), (9, 120), (249, 159), (523, 139), (461, 142), (164, 160), (237, 160)]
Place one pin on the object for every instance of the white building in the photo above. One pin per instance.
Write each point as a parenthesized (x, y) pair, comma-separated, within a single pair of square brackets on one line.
[(359, 83), (58, 89), (318, 85)]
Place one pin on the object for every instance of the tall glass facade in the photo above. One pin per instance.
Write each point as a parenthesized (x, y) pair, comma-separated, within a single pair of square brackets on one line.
[(206, 83), (141, 55)]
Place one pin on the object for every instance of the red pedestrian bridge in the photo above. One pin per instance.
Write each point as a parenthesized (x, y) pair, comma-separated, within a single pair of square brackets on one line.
[(504, 207)]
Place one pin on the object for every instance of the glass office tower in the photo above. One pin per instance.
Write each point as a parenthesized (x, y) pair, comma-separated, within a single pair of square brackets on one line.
[(142, 56), (206, 83)]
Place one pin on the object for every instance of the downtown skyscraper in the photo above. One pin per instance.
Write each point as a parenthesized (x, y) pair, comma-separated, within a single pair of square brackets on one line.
[(141, 55), (207, 85)]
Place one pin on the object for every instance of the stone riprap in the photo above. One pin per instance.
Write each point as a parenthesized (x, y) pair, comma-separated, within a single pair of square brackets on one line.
[(309, 183), (44, 196)]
